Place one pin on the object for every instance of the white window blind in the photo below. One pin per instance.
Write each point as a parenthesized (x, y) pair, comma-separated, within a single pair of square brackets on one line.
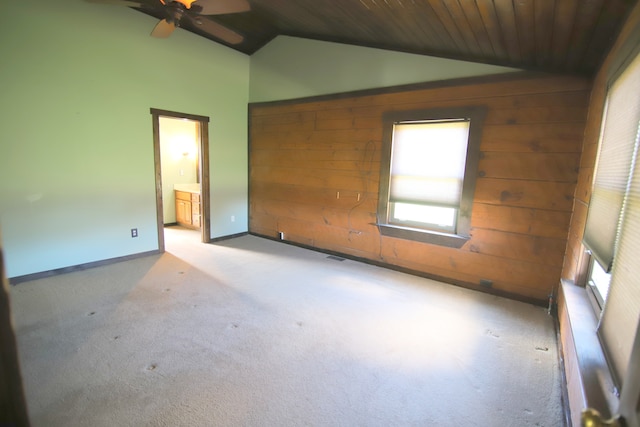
[(428, 162), (622, 308), (621, 312), (619, 128)]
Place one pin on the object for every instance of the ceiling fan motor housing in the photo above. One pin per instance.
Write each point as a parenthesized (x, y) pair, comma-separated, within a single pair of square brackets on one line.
[(175, 11)]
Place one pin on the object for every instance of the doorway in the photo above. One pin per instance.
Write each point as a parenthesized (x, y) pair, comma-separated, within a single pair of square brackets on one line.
[(191, 185)]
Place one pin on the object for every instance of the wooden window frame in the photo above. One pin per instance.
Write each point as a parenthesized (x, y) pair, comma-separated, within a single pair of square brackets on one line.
[(475, 115)]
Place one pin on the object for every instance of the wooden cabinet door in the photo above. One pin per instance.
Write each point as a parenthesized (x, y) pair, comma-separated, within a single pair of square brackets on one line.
[(183, 212), (188, 209)]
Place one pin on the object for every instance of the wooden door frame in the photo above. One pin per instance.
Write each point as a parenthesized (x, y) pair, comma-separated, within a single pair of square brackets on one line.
[(203, 159), (13, 404)]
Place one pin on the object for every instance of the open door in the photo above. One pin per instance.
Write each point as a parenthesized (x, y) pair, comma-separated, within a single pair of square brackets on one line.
[(628, 413), (203, 172)]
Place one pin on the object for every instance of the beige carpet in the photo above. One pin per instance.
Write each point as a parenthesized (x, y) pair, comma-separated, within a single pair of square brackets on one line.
[(252, 332)]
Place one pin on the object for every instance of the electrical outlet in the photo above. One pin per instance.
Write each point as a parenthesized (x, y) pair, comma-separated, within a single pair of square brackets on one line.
[(233, 218), (134, 232)]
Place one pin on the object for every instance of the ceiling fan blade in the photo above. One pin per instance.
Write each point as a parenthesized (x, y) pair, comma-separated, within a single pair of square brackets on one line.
[(221, 7), (163, 29), (218, 31), (120, 2)]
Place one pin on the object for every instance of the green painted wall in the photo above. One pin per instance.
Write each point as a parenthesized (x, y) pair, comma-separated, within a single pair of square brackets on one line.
[(290, 67), (76, 150)]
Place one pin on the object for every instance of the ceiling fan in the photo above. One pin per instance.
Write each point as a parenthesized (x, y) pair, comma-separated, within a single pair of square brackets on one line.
[(176, 12)]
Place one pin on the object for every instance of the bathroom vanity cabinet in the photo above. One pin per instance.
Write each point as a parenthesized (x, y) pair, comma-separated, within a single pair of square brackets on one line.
[(188, 209)]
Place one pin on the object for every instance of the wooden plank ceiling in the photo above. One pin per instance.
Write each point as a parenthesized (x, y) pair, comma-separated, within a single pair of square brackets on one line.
[(560, 36)]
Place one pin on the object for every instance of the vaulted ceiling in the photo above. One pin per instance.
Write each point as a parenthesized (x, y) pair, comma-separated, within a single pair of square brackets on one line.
[(561, 36)]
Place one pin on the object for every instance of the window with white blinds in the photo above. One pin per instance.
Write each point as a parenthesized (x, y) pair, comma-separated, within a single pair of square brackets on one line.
[(428, 172), (621, 313), (620, 124)]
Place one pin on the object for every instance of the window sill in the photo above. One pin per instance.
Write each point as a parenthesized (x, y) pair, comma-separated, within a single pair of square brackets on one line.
[(424, 236), (585, 358)]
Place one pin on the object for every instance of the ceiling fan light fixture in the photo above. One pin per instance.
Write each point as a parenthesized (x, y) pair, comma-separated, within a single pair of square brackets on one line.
[(185, 3)]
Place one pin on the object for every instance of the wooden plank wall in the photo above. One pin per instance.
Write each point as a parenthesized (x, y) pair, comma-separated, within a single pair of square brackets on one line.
[(315, 166)]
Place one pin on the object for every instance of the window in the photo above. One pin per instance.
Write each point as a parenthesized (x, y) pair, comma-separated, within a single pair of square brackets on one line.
[(428, 173), (614, 169), (598, 282), (612, 231)]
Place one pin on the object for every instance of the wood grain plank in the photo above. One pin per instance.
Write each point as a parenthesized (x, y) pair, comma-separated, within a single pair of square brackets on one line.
[(460, 18), (525, 24), (586, 19), (480, 30), (358, 139), (347, 241), (528, 194), (537, 138), (418, 27), (296, 231), (530, 166), (574, 102), (525, 115), (532, 222), (544, 17), (429, 18), (534, 249), (362, 158), (564, 20), (313, 178), (487, 12), (360, 215), (267, 224), (348, 123), (607, 23), (449, 25), (471, 267), (317, 196), (509, 28)]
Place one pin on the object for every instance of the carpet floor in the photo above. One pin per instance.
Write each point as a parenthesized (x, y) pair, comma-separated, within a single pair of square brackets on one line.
[(253, 332)]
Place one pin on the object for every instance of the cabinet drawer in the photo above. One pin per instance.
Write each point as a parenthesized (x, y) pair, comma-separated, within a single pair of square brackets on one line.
[(195, 208), (195, 197), (183, 195), (195, 220)]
